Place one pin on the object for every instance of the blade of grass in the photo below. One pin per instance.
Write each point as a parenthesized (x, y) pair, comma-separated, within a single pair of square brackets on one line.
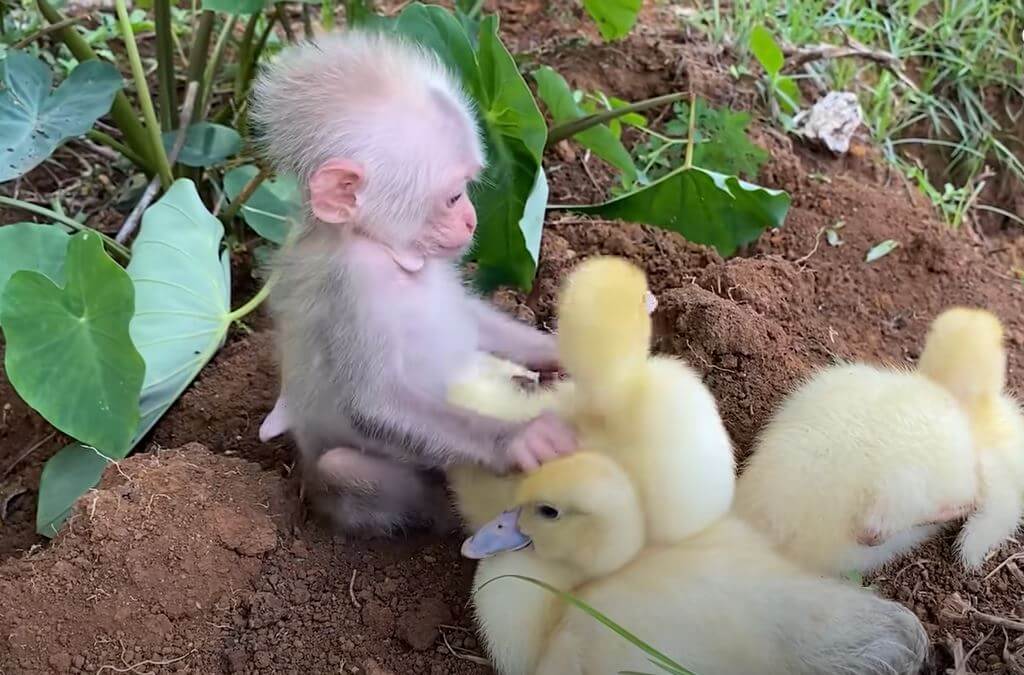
[(145, 101), (214, 65), (569, 129), (114, 247), (197, 57)]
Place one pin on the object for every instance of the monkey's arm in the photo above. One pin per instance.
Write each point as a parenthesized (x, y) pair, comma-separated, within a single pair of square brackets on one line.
[(503, 336)]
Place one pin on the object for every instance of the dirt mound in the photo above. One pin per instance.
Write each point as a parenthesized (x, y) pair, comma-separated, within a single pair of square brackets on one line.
[(183, 561)]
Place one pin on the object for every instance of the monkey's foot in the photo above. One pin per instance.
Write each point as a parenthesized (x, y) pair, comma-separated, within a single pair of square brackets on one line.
[(950, 513), (870, 536)]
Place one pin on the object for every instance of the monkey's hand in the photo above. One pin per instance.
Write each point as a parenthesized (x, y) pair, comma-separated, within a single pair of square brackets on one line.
[(544, 438)]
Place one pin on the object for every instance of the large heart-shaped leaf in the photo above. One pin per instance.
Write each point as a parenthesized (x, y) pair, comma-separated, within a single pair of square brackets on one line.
[(614, 18), (557, 96), (705, 207), (69, 354), (514, 131), (206, 144), (182, 296), (68, 475), (30, 246), (182, 300), (34, 122), (271, 208)]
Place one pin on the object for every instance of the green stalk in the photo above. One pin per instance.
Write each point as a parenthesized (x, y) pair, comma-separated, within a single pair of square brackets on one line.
[(243, 196), (307, 21), (245, 50), (152, 126), (121, 111), (257, 51), (197, 58), (569, 129), (692, 133), (256, 300), (115, 247), (214, 64), (327, 14), (165, 64), (98, 136)]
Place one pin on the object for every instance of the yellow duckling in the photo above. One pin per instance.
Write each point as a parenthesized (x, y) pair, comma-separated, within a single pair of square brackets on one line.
[(651, 413), (862, 463), (577, 524)]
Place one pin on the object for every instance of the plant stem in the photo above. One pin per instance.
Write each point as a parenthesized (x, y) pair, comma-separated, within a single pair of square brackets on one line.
[(691, 134), (255, 301), (165, 63), (111, 142), (152, 126), (307, 21), (261, 43), (197, 56), (327, 14), (243, 196), (121, 111), (214, 65), (46, 30), (569, 129), (285, 24), (61, 218), (474, 11), (245, 50)]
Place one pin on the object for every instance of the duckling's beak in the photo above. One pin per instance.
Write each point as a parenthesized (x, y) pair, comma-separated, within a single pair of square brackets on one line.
[(499, 535)]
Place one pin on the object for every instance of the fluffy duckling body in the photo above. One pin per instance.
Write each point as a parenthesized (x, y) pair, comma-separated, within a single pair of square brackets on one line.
[(577, 524), (862, 463), (652, 414)]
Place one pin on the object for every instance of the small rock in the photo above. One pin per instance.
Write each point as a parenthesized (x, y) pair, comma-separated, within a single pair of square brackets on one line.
[(237, 660), (378, 617), (266, 609), (371, 667), (418, 627), (61, 662), (263, 659)]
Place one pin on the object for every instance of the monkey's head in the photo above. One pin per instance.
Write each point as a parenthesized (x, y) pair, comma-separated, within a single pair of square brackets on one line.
[(381, 137)]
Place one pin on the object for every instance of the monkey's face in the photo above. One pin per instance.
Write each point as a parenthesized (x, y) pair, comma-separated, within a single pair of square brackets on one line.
[(451, 222)]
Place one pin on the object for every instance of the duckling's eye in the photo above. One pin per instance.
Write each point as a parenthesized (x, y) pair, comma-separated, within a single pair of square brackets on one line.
[(548, 511)]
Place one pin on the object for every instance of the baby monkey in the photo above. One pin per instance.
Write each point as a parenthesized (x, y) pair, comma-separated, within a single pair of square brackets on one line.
[(372, 316)]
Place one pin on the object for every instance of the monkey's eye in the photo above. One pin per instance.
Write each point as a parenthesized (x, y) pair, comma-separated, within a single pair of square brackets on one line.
[(453, 200), (548, 511)]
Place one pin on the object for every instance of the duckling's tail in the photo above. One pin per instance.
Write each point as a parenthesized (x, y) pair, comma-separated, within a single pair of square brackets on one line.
[(964, 353), (859, 632)]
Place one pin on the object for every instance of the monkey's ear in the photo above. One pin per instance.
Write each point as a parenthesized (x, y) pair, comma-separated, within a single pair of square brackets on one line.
[(332, 190)]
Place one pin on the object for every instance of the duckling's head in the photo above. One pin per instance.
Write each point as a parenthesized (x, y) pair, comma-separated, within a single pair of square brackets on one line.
[(580, 511), (964, 353), (604, 323)]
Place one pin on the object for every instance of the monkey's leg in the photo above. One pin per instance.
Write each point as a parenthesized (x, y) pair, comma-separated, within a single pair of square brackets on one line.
[(370, 493)]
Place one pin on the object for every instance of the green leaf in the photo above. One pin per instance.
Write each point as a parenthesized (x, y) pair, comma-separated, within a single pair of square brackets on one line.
[(557, 96), (29, 246), (705, 207), (766, 50), (183, 296), (514, 132), (68, 475), (788, 92), (270, 208), (614, 18), (206, 144), (881, 250), (34, 122), (69, 354), (235, 6)]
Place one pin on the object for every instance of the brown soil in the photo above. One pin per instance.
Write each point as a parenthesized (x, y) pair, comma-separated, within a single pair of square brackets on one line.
[(187, 561)]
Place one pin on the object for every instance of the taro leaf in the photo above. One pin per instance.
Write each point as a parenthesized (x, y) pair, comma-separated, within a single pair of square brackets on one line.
[(514, 131), (68, 475), (183, 296), (881, 250), (614, 18), (182, 288), (30, 246), (206, 144), (557, 96), (766, 50), (34, 122), (705, 207), (269, 208), (235, 6), (69, 353)]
